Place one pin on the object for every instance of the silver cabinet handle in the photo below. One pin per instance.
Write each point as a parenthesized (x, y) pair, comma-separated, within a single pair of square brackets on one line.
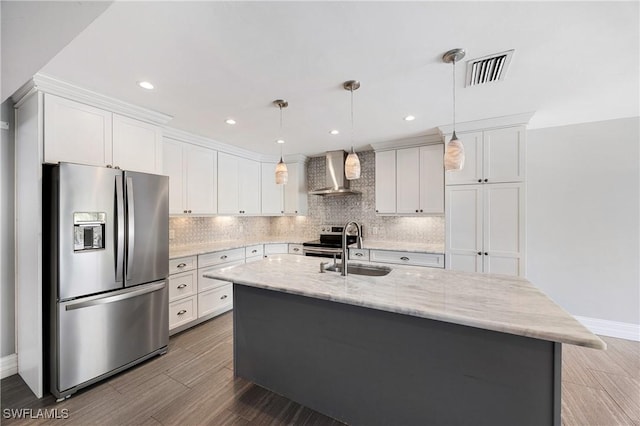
[(181, 286), (296, 249), (181, 265), (254, 251), (131, 226), (405, 258), (119, 228), (359, 254), (223, 257), (182, 312), (122, 295), (224, 296)]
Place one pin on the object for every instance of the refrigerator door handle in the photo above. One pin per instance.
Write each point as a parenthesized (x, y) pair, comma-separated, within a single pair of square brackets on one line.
[(131, 226), (101, 300), (119, 228)]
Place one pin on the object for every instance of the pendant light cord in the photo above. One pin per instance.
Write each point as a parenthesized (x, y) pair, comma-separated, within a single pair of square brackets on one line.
[(352, 118), (280, 132), (454, 95)]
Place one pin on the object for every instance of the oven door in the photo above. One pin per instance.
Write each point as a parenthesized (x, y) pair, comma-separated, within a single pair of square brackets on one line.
[(329, 252)]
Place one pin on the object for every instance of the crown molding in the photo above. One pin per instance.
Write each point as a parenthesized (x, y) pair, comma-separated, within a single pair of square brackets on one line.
[(428, 139), (488, 123), (47, 84)]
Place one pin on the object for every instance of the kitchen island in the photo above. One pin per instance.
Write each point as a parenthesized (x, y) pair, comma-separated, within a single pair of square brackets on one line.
[(417, 346)]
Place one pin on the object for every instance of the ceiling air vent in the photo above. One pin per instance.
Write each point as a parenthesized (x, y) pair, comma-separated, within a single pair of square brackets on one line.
[(488, 68)]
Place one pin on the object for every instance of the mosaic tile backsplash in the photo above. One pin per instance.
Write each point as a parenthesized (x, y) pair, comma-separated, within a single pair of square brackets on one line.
[(322, 211)]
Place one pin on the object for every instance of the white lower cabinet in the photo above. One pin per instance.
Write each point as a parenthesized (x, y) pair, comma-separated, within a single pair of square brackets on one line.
[(253, 253), (485, 228), (276, 248), (215, 301), (407, 258), (359, 254), (183, 288), (182, 312)]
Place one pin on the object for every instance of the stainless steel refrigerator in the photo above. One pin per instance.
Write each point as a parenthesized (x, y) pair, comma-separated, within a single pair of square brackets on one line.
[(107, 259)]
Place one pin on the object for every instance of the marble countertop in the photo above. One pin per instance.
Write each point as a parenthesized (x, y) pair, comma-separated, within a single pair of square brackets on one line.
[(488, 301), (402, 246), (196, 249)]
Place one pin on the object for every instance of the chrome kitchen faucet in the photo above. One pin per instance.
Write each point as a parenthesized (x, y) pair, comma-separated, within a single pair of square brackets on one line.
[(345, 249)]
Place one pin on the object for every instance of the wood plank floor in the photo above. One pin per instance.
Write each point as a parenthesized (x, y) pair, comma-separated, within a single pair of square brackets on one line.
[(193, 384)]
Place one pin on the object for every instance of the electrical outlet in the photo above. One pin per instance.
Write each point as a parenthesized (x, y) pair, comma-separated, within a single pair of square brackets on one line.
[(172, 234)]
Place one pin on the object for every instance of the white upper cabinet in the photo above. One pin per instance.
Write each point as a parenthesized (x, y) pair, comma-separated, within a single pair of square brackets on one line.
[(136, 145), (491, 156), (410, 181), (239, 185), (192, 177), (76, 133), (386, 182), (79, 133), (272, 193), (295, 191)]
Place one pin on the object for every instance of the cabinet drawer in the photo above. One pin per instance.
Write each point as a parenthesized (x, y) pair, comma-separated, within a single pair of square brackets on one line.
[(182, 264), (182, 285), (216, 300), (220, 257), (205, 283), (276, 249), (407, 258), (295, 248), (254, 251), (183, 311), (359, 254)]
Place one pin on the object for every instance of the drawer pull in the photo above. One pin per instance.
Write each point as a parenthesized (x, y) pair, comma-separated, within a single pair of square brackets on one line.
[(181, 265), (254, 251), (224, 296), (359, 254), (405, 258), (296, 249), (182, 312), (223, 257), (182, 286)]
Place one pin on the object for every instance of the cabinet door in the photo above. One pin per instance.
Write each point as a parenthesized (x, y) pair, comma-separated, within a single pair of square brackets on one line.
[(228, 201), (272, 193), (408, 180), (503, 225), (173, 166), (432, 179), (295, 192), (137, 145), (201, 177), (385, 182), (504, 155), (249, 186), (464, 228), (76, 133), (472, 170)]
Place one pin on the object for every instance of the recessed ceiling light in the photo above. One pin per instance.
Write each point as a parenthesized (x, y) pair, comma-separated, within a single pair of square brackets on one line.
[(280, 141), (230, 121), (409, 118), (145, 85), (334, 132)]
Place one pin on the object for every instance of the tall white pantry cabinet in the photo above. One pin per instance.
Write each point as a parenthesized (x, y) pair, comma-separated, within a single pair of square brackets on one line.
[(485, 203)]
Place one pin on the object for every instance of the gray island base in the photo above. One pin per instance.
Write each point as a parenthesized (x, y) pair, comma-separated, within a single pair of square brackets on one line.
[(367, 366)]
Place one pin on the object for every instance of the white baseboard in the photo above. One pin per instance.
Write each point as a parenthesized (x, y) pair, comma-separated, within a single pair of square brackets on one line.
[(621, 330), (8, 365)]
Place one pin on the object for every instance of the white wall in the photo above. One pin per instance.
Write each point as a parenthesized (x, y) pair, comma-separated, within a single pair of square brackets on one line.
[(7, 277), (583, 217)]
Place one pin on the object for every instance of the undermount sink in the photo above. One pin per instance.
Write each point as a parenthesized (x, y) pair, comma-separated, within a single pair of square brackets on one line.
[(360, 269)]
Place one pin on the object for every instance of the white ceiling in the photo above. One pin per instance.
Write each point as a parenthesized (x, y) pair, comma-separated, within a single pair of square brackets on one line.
[(574, 62)]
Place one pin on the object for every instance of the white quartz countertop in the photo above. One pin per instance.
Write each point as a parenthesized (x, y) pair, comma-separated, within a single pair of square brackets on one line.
[(488, 301), (196, 249), (402, 246)]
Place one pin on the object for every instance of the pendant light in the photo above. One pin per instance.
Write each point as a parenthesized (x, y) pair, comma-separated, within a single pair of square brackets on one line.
[(352, 163), (282, 174), (454, 151)]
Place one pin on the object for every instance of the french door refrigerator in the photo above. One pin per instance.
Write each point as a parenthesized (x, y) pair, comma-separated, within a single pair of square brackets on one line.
[(107, 260)]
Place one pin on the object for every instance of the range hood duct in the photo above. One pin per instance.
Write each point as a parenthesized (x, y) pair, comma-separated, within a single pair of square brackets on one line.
[(337, 183)]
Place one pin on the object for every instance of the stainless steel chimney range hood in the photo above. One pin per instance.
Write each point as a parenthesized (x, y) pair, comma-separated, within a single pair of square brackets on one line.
[(337, 183)]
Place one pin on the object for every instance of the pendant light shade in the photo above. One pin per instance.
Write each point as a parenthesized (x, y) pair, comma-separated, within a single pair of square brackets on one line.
[(454, 151), (282, 173), (352, 163), (352, 166)]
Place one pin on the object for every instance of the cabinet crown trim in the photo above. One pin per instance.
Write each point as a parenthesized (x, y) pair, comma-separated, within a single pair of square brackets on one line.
[(47, 84), (428, 139), (487, 123)]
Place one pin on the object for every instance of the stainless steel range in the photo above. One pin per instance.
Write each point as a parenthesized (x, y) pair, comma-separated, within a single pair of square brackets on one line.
[(330, 242)]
